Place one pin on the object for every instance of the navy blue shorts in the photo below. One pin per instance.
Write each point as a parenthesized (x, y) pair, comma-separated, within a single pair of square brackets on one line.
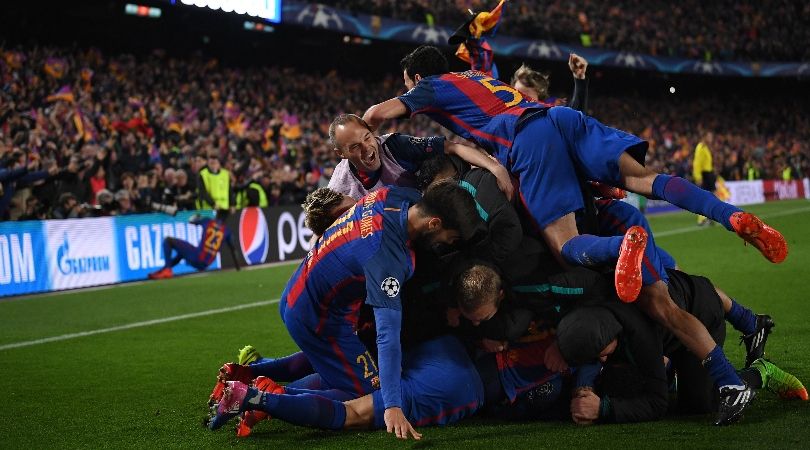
[(596, 147), (440, 385), (614, 218), (184, 249), (552, 151), (341, 359)]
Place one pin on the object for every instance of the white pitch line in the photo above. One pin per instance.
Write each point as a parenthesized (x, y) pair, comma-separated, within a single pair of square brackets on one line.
[(130, 326), (788, 212)]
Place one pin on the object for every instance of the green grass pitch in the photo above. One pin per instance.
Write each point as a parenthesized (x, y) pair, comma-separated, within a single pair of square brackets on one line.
[(145, 387)]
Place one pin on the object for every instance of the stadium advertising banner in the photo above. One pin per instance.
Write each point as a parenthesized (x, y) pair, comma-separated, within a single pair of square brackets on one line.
[(267, 235), (140, 243), (80, 252), (23, 265), (746, 192), (51, 255), (784, 190)]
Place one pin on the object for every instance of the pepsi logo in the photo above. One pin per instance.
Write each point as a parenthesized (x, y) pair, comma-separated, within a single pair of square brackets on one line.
[(254, 239)]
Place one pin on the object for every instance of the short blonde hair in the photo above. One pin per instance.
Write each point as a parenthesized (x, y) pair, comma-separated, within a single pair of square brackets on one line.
[(533, 79)]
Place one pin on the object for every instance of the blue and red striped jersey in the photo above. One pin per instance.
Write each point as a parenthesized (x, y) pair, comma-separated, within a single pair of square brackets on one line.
[(214, 235), (365, 256), (473, 105)]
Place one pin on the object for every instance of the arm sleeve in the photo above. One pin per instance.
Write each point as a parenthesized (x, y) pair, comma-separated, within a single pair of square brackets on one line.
[(32, 177), (643, 408), (503, 224), (650, 401), (419, 97), (12, 174), (585, 375), (579, 99), (389, 357), (385, 273)]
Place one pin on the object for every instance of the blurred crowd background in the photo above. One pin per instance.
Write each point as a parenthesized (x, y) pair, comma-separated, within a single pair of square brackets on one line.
[(91, 132), (750, 30)]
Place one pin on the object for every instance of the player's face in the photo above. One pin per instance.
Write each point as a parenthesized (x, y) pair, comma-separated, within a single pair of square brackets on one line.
[(482, 314), (526, 90), (410, 82), (608, 350), (357, 144), (442, 236)]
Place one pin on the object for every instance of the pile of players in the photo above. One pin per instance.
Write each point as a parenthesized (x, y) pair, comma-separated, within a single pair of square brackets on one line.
[(422, 307)]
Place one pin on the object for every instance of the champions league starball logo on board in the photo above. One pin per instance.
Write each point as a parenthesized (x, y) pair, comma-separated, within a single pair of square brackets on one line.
[(254, 239)]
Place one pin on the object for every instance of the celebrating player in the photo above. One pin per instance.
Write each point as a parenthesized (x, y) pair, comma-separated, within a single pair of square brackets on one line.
[(545, 147), (370, 162), (364, 257)]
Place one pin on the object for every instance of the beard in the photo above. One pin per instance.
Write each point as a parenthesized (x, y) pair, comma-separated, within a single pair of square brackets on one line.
[(429, 244)]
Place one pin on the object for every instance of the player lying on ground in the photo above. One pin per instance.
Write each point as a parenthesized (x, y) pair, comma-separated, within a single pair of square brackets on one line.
[(612, 335), (215, 233), (645, 398)]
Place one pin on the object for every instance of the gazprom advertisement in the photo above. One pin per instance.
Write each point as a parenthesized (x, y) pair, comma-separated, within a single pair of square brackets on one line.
[(40, 256)]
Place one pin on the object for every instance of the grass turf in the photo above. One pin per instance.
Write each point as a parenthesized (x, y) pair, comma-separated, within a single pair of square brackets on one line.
[(147, 386)]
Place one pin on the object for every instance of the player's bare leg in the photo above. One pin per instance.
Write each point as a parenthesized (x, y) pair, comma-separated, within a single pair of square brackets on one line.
[(655, 301)]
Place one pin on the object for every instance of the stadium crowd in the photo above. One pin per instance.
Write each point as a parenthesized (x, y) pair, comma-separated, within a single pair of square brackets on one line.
[(773, 30), (82, 133)]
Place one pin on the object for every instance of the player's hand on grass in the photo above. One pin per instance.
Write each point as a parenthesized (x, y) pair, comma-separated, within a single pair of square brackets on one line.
[(585, 407), (492, 346), (504, 181), (395, 422), (553, 359)]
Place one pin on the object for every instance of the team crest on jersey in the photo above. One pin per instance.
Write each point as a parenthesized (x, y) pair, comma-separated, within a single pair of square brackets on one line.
[(390, 286)]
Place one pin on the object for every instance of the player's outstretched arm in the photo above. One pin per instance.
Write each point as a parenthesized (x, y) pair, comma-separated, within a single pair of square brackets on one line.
[(379, 113), (478, 158), (389, 322)]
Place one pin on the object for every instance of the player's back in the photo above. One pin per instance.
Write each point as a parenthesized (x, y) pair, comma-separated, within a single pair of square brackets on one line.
[(472, 105), (214, 235), (331, 279)]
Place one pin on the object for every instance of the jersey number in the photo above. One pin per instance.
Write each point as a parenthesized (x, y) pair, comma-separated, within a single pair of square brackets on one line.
[(365, 359), (213, 240), (495, 88)]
